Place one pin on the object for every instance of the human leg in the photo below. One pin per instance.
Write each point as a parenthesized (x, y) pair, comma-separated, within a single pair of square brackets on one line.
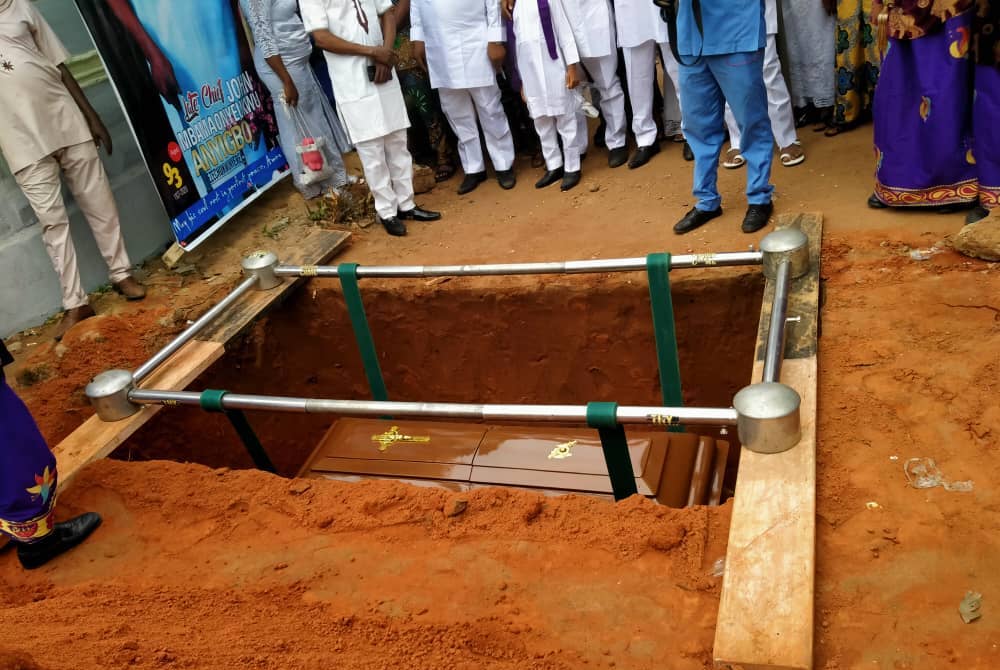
[(41, 186), (612, 98), (460, 111), (89, 184), (640, 68), (28, 483), (400, 165), (740, 78), (376, 167), (496, 127), (703, 127)]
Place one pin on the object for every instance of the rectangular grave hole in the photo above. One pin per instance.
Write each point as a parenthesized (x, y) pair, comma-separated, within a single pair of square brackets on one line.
[(519, 340)]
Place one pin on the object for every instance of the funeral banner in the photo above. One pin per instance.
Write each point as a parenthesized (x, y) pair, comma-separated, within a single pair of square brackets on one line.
[(183, 70)]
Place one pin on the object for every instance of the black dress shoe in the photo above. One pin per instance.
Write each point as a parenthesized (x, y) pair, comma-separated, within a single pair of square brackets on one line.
[(978, 214), (757, 217), (875, 203), (506, 179), (549, 178), (393, 226), (419, 214), (618, 157), (570, 179), (63, 537), (687, 153), (471, 182), (696, 218), (643, 155)]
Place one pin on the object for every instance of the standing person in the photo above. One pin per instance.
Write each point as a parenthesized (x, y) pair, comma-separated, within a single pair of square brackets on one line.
[(28, 481), (422, 103), (937, 111), (281, 56), (779, 104), (856, 66), (357, 36), (48, 128), (461, 42), (721, 48), (593, 24), (640, 32), (809, 37), (549, 64)]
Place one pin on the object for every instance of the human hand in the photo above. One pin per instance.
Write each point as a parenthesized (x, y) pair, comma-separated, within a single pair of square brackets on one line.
[(383, 73), (165, 80), (291, 94), (496, 52), (507, 7), (384, 56), (102, 138), (420, 53), (573, 76)]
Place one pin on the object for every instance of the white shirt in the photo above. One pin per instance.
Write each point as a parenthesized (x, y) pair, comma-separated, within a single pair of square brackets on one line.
[(369, 111), (544, 79), (38, 116), (639, 21), (593, 23), (771, 16), (457, 34)]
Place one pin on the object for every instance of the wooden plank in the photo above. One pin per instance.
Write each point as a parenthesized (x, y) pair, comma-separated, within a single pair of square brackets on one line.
[(766, 608), (315, 248), (96, 439)]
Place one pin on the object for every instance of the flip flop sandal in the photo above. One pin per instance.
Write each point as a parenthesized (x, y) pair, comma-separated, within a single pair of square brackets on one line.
[(789, 159), (734, 160), (677, 139), (444, 173), (833, 131)]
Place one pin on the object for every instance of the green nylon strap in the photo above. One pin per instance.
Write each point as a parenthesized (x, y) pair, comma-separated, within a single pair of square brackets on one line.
[(348, 274), (604, 417), (658, 273), (211, 401)]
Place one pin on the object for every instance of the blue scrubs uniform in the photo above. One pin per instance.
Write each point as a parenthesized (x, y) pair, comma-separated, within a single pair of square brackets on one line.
[(731, 68)]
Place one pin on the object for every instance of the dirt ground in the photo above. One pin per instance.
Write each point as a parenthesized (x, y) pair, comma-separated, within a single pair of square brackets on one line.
[(203, 568)]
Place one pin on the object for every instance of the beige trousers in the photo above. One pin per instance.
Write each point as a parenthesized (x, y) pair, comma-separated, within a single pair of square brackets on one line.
[(89, 184)]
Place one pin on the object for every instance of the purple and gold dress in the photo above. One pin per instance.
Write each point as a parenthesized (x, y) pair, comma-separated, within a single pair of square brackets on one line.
[(27, 469)]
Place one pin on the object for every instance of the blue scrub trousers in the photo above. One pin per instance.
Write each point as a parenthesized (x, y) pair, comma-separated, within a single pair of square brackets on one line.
[(705, 88)]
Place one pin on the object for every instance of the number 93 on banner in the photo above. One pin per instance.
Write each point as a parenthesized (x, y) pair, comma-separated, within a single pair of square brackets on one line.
[(173, 176)]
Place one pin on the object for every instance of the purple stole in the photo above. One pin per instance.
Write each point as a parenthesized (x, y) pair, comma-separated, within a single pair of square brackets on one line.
[(545, 12)]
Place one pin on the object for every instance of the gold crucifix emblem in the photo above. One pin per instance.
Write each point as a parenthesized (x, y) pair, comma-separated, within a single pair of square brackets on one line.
[(564, 450), (393, 436)]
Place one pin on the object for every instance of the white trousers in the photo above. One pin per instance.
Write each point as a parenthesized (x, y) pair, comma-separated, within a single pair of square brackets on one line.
[(462, 106), (640, 71), (779, 103), (389, 171), (89, 184), (604, 72), (550, 129)]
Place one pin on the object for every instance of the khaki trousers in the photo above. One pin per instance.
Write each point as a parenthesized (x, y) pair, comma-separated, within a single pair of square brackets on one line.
[(89, 184)]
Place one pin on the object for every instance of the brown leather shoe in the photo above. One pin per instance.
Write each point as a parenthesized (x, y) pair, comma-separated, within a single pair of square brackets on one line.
[(71, 318), (131, 289)]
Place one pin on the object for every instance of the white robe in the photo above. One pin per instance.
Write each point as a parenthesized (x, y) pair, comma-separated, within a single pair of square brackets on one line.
[(368, 111), (456, 34), (593, 23), (639, 21), (544, 79)]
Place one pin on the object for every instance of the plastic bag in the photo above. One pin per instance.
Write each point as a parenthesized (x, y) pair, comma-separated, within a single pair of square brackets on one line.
[(315, 166), (923, 473)]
